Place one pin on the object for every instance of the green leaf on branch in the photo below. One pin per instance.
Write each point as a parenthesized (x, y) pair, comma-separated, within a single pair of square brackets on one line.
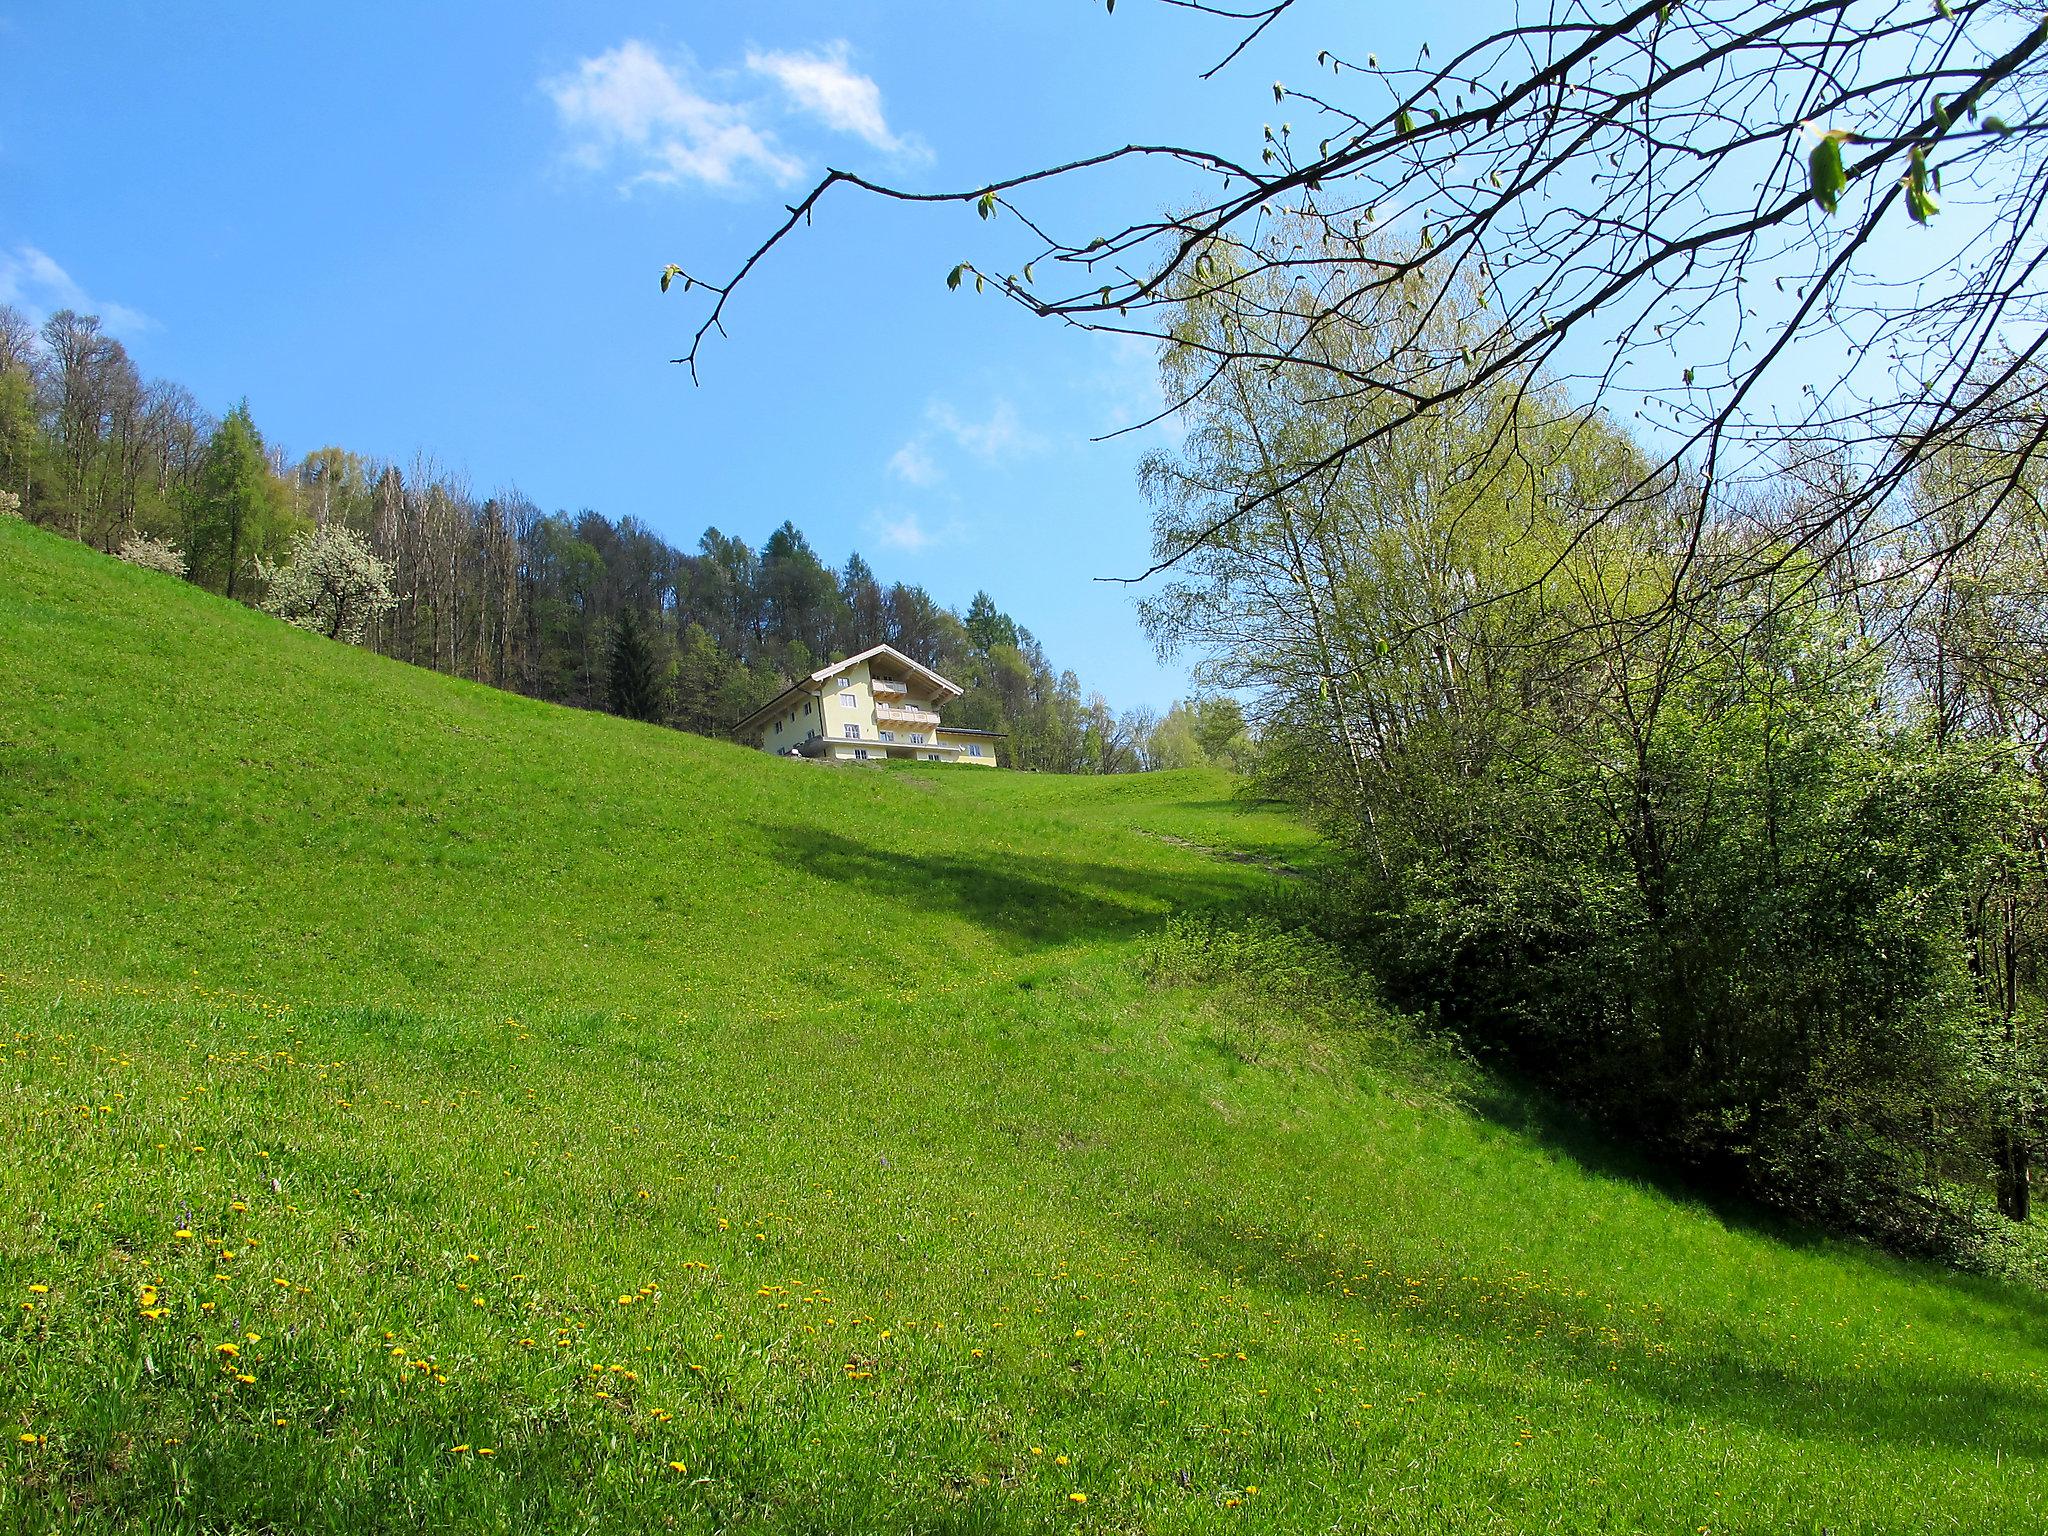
[(1404, 122), (1825, 173), (953, 277), (985, 205), (1920, 203)]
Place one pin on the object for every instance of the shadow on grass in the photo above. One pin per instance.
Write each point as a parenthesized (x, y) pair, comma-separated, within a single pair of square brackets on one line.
[(1027, 900), (1699, 1375)]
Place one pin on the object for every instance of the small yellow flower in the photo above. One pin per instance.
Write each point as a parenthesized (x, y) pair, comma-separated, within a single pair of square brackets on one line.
[(1059, 1461), (1077, 1498), (457, 1450), (254, 1338), (245, 1377), (229, 1350), (677, 1466), (39, 1290), (182, 1233), (27, 1439)]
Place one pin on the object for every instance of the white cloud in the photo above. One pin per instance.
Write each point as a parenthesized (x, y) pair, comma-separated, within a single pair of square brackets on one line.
[(32, 282), (907, 532), (824, 85), (629, 107), (1000, 435), (912, 464)]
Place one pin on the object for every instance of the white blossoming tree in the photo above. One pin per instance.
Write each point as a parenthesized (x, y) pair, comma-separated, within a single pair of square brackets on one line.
[(331, 582), (152, 554)]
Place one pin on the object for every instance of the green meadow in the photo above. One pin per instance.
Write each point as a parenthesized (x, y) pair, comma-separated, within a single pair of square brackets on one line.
[(426, 1109)]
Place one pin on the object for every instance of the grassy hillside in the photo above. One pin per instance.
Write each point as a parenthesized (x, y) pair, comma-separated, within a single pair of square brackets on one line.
[(425, 1109)]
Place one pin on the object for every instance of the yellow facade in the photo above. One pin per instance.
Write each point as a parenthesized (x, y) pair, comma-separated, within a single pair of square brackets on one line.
[(874, 706)]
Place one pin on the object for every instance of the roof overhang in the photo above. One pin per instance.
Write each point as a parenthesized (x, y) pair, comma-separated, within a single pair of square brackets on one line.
[(943, 684)]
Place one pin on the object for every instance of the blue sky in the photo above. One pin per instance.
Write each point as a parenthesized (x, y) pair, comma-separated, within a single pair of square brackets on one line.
[(403, 228)]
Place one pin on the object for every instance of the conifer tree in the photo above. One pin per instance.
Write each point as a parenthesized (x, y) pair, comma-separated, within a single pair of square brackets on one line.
[(634, 689)]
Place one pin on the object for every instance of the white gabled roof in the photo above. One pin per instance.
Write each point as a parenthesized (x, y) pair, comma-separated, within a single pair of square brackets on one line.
[(890, 651), (945, 685)]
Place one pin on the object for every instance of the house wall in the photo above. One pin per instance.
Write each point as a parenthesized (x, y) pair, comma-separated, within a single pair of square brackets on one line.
[(967, 744), (791, 727)]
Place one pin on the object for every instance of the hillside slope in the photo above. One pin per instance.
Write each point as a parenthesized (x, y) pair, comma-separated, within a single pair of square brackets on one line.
[(429, 1109)]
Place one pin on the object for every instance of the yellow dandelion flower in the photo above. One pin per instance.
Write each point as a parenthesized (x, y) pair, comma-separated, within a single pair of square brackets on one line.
[(39, 1290), (245, 1377), (229, 1350), (26, 1439), (1059, 1461), (1077, 1498), (457, 1450), (181, 1234), (677, 1466)]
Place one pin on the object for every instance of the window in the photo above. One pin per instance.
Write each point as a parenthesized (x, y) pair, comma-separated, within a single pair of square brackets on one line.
[(852, 732), (860, 754), (807, 706), (917, 738), (848, 700), (934, 757), (886, 735), (974, 749), (844, 682)]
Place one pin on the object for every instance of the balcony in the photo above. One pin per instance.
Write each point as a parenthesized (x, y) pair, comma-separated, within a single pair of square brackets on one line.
[(904, 714), (884, 686)]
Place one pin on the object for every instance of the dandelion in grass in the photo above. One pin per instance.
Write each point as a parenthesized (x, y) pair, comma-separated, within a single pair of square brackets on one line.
[(1077, 1498), (677, 1466)]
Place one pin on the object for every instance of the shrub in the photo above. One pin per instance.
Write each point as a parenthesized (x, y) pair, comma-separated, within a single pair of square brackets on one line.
[(152, 554)]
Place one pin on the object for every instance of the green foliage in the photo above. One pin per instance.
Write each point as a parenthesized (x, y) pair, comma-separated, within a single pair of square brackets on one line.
[(633, 686), (235, 514)]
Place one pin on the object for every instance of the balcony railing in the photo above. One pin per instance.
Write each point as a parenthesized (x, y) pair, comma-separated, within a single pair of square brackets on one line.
[(905, 714), (882, 685)]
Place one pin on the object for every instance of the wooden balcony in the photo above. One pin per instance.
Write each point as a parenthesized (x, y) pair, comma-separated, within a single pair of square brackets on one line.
[(904, 714)]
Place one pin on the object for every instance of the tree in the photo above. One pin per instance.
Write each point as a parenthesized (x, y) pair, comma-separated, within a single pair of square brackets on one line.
[(987, 625), (330, 582), (632, 686), (1690, 213), (235, 515)]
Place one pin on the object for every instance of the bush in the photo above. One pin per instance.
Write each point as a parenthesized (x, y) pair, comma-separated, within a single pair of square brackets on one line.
[(152, 554)]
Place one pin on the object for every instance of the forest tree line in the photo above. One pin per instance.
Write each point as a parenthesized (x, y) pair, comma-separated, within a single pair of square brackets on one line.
[(494, 589)]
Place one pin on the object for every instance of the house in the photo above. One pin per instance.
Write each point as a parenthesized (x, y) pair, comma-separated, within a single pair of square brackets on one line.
[(879, 704)]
